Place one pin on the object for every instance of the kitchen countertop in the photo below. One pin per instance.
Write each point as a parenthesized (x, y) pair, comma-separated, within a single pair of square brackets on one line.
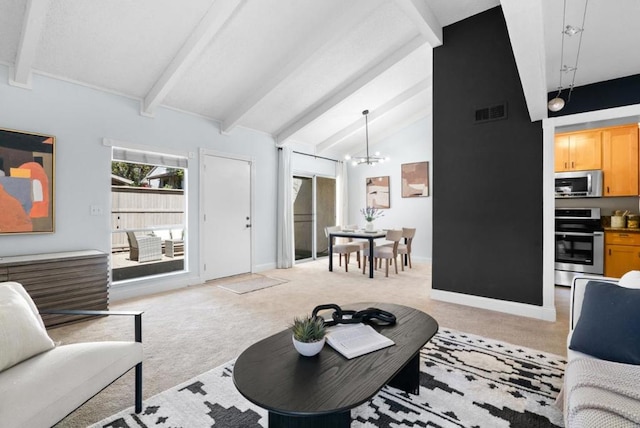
[(622, 229)]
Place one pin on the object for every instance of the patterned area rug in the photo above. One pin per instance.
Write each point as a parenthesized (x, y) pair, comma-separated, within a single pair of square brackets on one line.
[(465, 381), (252, 283)]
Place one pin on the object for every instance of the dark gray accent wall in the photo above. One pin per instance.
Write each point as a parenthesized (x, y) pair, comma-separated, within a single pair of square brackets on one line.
[(598, 96), (487, 177)]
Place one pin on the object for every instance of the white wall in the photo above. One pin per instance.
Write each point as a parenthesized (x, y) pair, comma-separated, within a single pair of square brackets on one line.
[(412, 144), (80, 118)]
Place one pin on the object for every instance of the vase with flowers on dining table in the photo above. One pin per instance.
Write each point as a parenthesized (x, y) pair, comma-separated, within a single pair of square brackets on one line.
[(370, 214)]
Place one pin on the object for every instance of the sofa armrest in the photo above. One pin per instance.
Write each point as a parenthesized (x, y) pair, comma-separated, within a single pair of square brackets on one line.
[(136, 314)]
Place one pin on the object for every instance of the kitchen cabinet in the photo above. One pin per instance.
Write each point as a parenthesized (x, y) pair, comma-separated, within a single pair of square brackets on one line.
[(578, 151), (621, 253), (620, 160)]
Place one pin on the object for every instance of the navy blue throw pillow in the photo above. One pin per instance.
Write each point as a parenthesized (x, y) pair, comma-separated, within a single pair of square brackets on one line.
[(609, 324)]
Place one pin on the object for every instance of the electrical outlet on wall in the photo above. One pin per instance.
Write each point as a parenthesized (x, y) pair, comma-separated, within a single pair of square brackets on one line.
[(95, 209)]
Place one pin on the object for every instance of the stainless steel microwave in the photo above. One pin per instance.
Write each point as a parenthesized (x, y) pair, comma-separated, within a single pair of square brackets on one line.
[(579, 184)]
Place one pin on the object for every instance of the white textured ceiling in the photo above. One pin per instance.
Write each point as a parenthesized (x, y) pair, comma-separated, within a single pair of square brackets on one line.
[(300, 70)]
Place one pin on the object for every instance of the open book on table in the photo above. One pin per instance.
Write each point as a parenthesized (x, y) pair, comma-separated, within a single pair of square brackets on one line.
[(353, 340)]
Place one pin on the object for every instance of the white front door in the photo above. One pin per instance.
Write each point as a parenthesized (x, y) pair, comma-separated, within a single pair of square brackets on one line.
[(227, 217)]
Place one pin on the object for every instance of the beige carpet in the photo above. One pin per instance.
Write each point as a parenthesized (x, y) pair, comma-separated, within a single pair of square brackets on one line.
[(189, 331)]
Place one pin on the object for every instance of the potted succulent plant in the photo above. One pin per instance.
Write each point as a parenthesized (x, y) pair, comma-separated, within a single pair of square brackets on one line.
[(308, 335)]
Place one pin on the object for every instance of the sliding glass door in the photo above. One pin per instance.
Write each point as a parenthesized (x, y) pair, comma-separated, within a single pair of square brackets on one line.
[(325, 212), (314, 208)]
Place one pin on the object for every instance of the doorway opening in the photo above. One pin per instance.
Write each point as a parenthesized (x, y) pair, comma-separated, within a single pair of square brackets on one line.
[(314, 208)]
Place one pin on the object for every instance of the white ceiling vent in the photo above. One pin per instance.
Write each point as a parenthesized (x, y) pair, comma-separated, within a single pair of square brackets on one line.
[(487, 114)]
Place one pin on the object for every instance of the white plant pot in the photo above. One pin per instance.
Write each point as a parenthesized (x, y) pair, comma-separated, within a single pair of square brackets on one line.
[(369, 226), (308, 349)]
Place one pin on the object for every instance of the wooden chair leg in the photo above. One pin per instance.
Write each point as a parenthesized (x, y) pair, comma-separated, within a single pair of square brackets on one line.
[(364, 263), (358, 258), (409, 257), (395, 263), (346, 262), (386, 265), (401, 264), (340, 259)]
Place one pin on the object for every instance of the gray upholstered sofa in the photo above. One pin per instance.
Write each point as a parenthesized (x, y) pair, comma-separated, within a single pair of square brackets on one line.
[(41, 382), (602, 377)]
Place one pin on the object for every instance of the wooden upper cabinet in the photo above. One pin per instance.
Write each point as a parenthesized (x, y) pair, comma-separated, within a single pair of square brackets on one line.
[(562, 153), (620, 160), (578, 151)]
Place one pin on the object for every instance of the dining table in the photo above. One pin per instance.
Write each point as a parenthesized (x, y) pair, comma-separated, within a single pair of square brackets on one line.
[(369, 235)]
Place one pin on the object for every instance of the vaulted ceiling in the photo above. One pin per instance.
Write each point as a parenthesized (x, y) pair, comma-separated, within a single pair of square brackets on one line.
[(300, 70)]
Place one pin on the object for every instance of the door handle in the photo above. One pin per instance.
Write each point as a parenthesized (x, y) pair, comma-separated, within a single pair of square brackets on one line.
[(248, 225)]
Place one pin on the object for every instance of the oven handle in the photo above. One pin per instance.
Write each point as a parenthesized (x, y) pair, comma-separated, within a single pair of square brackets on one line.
[(580, 233)]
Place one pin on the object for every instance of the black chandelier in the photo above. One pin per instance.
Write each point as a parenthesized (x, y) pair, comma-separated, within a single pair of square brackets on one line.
[(367, 160)]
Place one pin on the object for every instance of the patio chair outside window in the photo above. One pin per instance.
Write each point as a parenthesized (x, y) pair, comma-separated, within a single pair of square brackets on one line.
[(144, 248)]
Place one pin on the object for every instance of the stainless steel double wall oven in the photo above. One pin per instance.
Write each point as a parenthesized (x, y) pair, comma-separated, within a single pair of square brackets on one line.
[(579, 243)]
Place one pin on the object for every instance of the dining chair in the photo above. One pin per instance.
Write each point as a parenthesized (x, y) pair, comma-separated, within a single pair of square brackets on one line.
[(363, 243), (388, 253), (405, 249), (346, 248)]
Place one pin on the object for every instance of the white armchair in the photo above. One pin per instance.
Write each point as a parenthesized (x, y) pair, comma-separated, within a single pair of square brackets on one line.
[(42, 382)]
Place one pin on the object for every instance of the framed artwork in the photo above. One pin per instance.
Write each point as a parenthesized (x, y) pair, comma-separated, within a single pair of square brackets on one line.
[(415, 179), (26, 182), (378, 192)]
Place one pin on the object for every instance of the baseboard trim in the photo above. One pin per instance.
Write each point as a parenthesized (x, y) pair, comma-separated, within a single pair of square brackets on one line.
[(263, 267), (150, 285), (513, 308)]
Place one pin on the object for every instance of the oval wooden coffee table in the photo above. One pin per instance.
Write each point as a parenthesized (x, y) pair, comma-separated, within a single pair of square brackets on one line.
[(320, 391)]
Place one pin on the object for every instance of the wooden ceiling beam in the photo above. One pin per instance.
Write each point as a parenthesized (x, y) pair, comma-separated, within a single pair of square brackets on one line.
[(424, 19), (218, 15), (376, 138), (526, 33), (320, 42), (369, 73), (374, 115), (34, 21)]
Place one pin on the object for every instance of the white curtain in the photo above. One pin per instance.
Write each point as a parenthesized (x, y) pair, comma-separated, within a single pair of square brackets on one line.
[(284, 239), (342, 193)]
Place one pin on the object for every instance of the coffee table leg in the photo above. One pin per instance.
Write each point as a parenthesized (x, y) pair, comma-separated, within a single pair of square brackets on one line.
[(333, 420), (408, 379)]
